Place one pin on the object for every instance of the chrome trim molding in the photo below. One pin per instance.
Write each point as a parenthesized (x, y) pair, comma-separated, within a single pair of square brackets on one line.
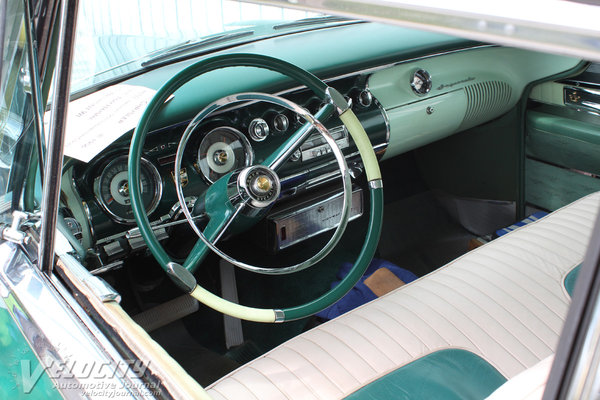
[(388, 128), (371, 70), (97, 285), (582, 98), (55, 145), (182, 277), (279, 316), (88, 215), (66, 347), (302, 222), (376, 184)]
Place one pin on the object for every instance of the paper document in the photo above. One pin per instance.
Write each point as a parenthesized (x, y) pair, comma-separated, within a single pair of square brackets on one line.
[(97, 120)]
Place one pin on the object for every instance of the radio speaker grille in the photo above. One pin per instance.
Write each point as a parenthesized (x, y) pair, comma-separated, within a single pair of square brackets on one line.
[(485, 100)]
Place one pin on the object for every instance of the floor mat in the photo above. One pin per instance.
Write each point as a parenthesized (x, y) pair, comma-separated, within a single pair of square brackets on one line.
[(202, 364), (419, 235)]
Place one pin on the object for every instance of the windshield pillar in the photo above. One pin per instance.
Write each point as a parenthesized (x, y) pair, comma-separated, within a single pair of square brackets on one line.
[(36, 87), (58, 119)]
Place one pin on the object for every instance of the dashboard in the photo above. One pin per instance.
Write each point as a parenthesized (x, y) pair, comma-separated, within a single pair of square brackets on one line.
[(405, 95), (226, 141)]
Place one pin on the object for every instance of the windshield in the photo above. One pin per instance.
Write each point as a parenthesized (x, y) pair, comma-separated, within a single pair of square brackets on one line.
[(116, 37)]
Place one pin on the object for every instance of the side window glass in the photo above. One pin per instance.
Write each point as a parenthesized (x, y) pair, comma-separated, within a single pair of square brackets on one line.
[(15, 114)]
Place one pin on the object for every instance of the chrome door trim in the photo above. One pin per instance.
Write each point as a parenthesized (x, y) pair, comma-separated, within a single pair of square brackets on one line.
[(55, 145), (70, 348)]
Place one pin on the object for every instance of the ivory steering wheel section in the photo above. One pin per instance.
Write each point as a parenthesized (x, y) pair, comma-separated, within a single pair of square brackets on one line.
[(257, 187)]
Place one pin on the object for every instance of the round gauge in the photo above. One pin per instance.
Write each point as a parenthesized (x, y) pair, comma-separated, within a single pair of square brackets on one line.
[(223, 150), (112, 188)]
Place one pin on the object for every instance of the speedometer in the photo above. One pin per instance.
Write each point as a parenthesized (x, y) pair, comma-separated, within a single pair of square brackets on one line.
[(223, 150), (112, 189)]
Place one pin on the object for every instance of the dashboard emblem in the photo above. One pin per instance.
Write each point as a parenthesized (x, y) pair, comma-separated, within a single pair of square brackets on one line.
[(421, 82)]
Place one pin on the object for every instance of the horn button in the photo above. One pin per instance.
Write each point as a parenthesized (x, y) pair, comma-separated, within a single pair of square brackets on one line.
[(260, 184)]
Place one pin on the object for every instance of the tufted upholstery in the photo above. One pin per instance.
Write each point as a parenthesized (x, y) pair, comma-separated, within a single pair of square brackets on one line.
[(504, 301)]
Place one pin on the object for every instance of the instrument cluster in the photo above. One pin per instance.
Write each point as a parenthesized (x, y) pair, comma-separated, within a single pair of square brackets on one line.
[(229, 140)]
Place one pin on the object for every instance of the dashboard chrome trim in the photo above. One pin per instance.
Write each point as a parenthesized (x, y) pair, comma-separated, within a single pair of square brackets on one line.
[(88, 215), (302, 222), (388, 128)]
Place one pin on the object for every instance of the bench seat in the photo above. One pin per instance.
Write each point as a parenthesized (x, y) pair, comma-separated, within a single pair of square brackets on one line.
[(504, 302)]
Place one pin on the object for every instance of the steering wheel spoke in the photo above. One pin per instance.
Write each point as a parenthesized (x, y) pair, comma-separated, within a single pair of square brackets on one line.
[(213, 232)]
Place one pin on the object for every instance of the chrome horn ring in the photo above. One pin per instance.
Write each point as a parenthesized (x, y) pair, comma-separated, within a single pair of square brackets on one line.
[(339, 156)]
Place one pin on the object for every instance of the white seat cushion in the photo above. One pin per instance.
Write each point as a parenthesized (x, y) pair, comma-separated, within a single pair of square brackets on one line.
[(504, 301)]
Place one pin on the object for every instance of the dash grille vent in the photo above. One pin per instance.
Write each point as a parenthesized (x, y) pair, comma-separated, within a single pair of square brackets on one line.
[(485, 100)]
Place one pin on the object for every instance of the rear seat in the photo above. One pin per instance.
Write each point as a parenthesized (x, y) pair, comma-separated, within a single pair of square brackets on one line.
[(497, 311)]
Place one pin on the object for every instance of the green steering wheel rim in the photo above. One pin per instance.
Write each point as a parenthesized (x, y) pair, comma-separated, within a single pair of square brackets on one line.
[(359, 136)]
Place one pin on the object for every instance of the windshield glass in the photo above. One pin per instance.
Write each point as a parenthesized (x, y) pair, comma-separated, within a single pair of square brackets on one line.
[(116, 37)]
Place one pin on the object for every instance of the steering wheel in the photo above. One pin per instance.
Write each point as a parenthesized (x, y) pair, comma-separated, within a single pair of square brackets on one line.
[(248, 193)]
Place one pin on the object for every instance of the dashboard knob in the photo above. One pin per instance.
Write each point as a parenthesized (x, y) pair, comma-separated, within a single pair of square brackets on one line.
[(258, 129), (296, 156), (365, 98), (281, 123)]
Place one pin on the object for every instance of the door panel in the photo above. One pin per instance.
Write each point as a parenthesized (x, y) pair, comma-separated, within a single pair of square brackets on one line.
[(563, 141)]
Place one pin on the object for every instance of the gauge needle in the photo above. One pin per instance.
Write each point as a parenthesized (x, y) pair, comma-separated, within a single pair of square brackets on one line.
[(110, 200)]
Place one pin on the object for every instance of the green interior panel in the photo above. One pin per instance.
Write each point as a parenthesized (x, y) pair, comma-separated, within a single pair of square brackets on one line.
[(480, 162), (448, 73), (417, 127), (488, 90), (22, 377), (563, 141), (551, 187), (446, 374)]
